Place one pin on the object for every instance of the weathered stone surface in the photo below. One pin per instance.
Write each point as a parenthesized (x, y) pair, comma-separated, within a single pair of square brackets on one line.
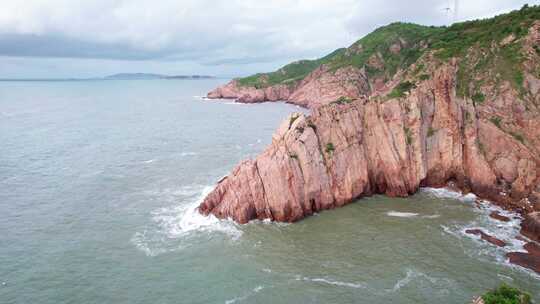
[(530, 227), (524, 259), (320, 87), (529, 259), (250, 94), (486, 237), (342, 152), (533, 248), (496, 215)]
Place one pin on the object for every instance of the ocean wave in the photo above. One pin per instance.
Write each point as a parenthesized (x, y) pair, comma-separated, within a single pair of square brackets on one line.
[(245, 296), (412, 275), (401, 214), (330, 282), (181, 222), (505, 231), (447, 193), (184, 154), (411, 215), (268, 221), (184, 219)]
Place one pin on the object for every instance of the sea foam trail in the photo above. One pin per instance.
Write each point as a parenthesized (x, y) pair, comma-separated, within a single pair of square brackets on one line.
[(186, 219), (174, 226), (505, 231), (330, 282), (447, 193), (401, 214), (247, 295)]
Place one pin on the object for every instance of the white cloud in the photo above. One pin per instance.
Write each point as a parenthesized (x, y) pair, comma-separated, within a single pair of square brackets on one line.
[(210, 31)]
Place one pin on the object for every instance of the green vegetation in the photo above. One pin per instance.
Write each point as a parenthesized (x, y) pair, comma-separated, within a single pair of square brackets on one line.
[(505, 294), (458, 38), (468, 117), (481, 147), (343, 100), (292, 120), (496, 120), (401, 89), (517, 136), (478, 98), (379, 43), (430, 132), (330, 148), (408, 135), (488, 50), (424, 77)]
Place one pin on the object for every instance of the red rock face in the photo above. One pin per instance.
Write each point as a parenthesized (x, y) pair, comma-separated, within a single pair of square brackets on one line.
[(320, 87), (526, 260), (529, 259), (530, 227), (496, 215), (430, 137), (346, 151), (486, 237)]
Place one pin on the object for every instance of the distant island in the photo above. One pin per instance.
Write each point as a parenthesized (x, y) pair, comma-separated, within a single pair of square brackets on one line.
[(119, 76), (131, 76)]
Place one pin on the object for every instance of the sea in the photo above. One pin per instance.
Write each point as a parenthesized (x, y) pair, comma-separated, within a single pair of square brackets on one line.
[(99, 185)]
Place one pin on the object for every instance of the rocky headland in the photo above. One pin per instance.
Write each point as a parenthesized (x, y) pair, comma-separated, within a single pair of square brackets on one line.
[(405, 107)]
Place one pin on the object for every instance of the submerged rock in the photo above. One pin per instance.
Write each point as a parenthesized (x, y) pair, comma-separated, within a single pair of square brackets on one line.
[(486, 237), (496, 215), (526, 260), (530, 227), (320, 87)]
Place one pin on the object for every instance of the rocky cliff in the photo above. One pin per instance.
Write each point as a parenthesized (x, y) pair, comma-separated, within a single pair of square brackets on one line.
[(460, 112)]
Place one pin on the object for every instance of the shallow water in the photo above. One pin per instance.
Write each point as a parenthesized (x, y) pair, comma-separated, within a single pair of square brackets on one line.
[(98, 185)]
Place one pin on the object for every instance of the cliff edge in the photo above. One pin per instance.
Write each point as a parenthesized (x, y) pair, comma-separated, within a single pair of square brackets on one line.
[(423, 106)]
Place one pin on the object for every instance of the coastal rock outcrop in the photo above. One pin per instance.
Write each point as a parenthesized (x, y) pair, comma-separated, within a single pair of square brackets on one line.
[(344, 151), (320, 87), (486, 237), (246, 94), (530, 226), (404, 107)]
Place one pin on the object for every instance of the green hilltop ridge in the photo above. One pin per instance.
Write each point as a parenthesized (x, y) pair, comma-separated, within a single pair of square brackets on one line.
[(478, 44)]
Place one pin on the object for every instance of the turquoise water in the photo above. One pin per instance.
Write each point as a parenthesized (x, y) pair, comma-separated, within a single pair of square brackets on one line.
[(98, 185)]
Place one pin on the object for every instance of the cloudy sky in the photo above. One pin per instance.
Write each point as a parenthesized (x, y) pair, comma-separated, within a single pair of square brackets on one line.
[(66, 38)]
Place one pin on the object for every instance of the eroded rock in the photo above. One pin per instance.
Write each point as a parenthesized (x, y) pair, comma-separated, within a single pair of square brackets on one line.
[(486, 237)]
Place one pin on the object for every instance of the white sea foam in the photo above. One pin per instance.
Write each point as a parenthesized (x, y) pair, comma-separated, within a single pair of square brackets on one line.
[(149, 161), (180, 221), (245, 296), (184, 154), (401, 214), (409, 277), (184, 219), (447, 193), (505, 231), (330, 282)]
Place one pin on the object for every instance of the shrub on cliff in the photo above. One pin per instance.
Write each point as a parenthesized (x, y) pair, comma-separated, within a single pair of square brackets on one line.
[(505, 294)]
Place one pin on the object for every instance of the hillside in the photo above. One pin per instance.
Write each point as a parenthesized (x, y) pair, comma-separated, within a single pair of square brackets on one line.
[(375, 62), (404, 107)]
